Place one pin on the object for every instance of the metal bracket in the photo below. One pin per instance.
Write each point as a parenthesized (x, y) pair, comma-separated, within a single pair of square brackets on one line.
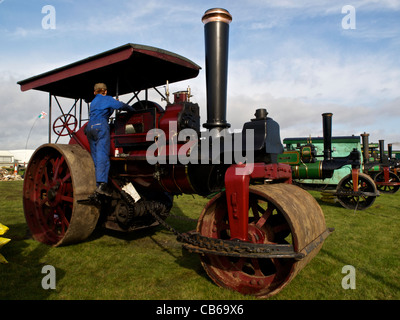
[(237, 180)]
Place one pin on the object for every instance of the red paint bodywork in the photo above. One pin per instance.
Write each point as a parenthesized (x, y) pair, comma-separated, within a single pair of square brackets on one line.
[(237, 192)]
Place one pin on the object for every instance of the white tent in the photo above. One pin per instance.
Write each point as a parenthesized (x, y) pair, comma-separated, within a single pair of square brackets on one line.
[(22, 156), (6, 158)]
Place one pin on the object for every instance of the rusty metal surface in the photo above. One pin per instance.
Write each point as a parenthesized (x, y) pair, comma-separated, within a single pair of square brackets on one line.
[(239, 249), (302, 212), (57, 177), (290, 215)]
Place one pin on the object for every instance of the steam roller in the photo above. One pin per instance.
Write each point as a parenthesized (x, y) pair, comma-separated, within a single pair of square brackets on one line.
[(258, 230), (383, 171)]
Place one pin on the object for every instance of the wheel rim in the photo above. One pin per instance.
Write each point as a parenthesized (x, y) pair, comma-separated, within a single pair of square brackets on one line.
[(380, 177), (52, 187), (269, 222), (365, 184)]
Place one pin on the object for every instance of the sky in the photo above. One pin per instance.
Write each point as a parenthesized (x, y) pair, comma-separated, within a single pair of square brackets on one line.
[(297, 59)]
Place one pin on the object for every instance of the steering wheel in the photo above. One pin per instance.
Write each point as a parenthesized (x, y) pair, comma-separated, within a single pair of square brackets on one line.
[(66, 122)]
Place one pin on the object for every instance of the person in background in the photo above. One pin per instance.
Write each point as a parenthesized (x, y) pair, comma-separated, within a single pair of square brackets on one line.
[(98, 133)]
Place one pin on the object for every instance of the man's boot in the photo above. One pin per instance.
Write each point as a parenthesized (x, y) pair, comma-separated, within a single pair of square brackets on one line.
[(103, 189)]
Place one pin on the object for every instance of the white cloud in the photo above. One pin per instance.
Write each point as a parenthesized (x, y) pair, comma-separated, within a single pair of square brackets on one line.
[(19, 112), (296, 76), (361, 93), (327, 78), (327, 6)]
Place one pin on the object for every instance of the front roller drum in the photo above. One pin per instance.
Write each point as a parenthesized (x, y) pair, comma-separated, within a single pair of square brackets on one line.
[(278, 214), (57, 177)]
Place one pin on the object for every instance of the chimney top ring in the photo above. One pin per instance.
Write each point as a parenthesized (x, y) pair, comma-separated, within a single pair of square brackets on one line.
[(216, 14)]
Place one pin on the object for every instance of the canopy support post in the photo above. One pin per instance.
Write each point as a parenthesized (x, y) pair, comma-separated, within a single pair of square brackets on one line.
[(49, 117)]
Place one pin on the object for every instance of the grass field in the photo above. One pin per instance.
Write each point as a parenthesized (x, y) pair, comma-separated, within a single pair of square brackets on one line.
[(151, 265)]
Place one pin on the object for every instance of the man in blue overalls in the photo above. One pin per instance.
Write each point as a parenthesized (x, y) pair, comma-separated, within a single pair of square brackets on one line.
[(98, 133)]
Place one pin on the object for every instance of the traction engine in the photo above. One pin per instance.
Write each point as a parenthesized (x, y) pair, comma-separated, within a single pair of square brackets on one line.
[(254, 235), (354, 191), (384, 170)]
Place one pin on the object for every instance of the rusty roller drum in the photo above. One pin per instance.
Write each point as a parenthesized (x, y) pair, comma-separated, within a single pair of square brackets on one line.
[(278, 214), (57, 177)]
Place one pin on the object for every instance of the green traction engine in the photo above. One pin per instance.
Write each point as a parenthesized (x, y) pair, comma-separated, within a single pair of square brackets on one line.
[(354, 191)]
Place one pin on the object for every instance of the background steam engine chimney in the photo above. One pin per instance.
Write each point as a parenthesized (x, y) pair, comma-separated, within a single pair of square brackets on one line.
[(327, 133), (365, 144), (216, 31), (382, 151)]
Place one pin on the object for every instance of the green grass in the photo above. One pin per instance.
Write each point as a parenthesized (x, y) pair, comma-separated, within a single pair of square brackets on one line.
[(150, 264)]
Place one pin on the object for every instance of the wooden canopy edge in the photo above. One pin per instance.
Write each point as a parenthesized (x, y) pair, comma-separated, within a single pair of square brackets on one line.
[(127, 53)]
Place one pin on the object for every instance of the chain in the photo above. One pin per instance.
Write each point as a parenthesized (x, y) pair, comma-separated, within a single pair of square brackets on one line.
[(195, 242), (359, 193), (182, 237)]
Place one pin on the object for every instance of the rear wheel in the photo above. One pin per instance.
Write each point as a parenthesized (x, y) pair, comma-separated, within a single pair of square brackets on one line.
[(56, 178)]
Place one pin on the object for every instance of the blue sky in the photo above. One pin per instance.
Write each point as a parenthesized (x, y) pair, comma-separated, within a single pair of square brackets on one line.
[(291, 57)]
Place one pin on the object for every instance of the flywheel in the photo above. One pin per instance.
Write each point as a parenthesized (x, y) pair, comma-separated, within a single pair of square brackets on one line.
[(278, 214), (57, 177)]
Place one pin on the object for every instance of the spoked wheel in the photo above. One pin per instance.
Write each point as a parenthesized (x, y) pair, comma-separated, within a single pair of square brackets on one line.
[(351, 201), (65, 125), (56, 178), (278, 214), (393, 178)]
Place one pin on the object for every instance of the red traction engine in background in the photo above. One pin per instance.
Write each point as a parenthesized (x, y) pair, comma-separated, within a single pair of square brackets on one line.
[(253, 236), (383, 170)]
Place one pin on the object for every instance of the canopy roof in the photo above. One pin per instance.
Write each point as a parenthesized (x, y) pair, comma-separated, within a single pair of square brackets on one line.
[(339, 139), (131, 67)]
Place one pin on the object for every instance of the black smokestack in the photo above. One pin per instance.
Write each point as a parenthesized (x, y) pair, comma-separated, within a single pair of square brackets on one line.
[(365, 144), (382, 150), (327, 132), (216, 31), (390, 151)]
